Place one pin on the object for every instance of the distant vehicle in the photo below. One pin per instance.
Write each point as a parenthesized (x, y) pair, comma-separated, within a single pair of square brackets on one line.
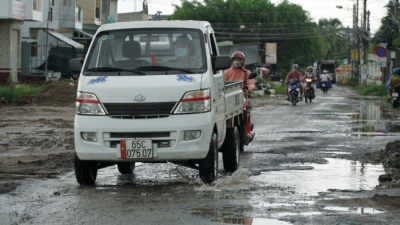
[(329, 65)]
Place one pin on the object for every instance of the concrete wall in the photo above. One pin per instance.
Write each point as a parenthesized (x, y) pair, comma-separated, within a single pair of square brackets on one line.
[(67, 15), (89, 10), (373, 72), (10, 48), (133, 16)]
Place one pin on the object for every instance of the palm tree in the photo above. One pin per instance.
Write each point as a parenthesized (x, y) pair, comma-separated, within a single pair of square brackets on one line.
[(334, 43)]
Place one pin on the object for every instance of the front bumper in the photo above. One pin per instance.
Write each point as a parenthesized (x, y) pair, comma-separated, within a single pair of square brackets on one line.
[(171, 128)]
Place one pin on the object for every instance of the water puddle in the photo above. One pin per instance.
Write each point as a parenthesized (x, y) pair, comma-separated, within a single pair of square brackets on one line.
[(373, 119), (337, 174), (334, 152), (250, 221), (359, 210), (209, 212)]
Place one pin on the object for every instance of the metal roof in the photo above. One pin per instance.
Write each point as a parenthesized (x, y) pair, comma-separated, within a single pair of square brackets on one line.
[(64, 39)]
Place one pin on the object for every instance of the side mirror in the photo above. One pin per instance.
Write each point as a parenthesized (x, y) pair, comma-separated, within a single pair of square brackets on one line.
[(75, 65), (252, 75), (221, 62)]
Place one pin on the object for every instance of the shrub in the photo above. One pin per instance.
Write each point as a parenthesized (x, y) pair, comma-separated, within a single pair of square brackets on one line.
[(279, 89), (373, 89)]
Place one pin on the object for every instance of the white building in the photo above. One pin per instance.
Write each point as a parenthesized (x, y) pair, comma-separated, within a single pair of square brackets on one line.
[(13, 13), (61, 24)]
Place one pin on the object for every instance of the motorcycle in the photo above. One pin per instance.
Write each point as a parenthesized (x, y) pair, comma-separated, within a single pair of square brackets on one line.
[(294, 90), (244, 130), (395, 97), (309, 93), (324, 87)]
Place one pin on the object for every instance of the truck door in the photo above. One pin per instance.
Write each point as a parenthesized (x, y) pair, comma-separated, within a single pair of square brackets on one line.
[(218, 89)]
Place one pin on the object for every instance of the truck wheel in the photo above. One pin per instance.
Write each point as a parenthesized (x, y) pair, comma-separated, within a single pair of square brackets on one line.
[(126, 168), (208, 167), (85, 171), (231, 150)]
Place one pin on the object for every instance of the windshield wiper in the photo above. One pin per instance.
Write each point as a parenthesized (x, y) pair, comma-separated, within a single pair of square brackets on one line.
[(164, 68), (110, 69)]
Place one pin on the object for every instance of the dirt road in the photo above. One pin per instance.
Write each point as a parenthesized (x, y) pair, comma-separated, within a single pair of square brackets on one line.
[(36, 135)]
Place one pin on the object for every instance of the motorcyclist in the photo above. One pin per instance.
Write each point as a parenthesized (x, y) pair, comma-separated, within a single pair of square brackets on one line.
[(394, 82), (237, 72), (325, 76), (310, 74), (295, 74)]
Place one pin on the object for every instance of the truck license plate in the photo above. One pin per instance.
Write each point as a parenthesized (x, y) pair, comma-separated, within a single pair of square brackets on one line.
[(323, 85), (136, 148)]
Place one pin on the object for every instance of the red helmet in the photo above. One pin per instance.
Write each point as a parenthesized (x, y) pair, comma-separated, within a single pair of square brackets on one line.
[(238, 54)]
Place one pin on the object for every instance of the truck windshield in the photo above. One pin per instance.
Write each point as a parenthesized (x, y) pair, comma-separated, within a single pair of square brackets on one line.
[(148, 51)]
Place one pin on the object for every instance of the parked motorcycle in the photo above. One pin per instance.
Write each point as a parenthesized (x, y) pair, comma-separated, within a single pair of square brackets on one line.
[(294, 91), (395, 97), (309, 92)]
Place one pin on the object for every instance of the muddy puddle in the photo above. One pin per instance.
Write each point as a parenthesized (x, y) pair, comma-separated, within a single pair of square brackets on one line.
[(250, 221), (358, 210), (336, 175), (374, 119)]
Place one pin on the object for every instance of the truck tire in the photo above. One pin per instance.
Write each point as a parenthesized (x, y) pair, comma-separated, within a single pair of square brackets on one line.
[(85, 171), (208, 167), (126, 168), (231, 150)]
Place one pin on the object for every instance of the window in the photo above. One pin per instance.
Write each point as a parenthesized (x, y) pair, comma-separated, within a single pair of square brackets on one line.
[(130, 49), (37, 5), (50, 16), (97, 12), (67, 2)]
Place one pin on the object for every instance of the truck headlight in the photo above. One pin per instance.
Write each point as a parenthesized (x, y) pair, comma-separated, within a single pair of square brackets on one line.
[(88, 104), (89, 136), (194, 102), (191, 134)]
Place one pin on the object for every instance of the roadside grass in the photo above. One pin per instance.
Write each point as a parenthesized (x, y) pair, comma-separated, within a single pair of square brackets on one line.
[(372, 89), (12, 92), (279, 89)]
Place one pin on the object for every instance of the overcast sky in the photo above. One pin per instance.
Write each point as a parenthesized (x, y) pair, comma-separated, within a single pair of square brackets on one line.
[(317, 8)]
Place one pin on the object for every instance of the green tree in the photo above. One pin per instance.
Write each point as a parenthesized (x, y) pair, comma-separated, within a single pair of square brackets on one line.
[(333, 42), (298, 38), (388, 31)]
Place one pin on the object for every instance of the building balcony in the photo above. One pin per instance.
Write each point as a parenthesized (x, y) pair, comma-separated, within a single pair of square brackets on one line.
[(33, 10)]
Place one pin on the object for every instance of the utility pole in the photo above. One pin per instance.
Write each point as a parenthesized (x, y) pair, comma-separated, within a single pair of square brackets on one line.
[(365, 41), (46, 42), (355, 42)]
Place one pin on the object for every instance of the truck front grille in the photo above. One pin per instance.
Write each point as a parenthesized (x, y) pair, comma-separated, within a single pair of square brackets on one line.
[(136, 109), (140, 135)]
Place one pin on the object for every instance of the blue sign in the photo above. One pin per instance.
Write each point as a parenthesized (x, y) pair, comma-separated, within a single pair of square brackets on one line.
[(380, 51)]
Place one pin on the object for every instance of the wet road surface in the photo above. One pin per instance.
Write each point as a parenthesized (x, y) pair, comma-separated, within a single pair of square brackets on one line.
[(302, 157)]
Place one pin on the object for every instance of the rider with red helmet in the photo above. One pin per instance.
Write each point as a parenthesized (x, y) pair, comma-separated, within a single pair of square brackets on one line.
[(237, 72)]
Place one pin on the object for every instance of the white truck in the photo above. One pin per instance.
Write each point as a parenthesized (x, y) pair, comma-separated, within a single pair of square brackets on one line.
[(136, 103)]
